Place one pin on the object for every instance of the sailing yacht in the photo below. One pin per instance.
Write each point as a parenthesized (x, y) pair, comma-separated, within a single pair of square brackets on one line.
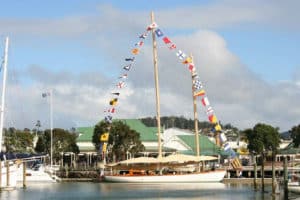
[(175, 168), (8, 169)]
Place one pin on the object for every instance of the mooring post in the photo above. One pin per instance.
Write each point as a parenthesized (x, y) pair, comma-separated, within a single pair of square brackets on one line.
[(7, 174), (0, 175), (285, 179), (255, 173), (24, 175)]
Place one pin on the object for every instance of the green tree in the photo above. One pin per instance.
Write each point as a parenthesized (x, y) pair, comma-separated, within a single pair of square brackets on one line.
[(295, 135), (122, 139), (17, 141), (63, 141), (262, 139)]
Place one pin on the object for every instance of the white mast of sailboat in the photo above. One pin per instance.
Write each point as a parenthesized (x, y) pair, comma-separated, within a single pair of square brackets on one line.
[(4, 67), (156, 87), (195, 113)]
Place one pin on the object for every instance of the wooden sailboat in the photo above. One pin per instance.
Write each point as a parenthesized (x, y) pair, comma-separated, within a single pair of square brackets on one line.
[(8, 169), (163, 169)]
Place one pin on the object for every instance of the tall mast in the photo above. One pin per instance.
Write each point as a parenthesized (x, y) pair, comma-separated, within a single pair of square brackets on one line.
[(195, 113), (3, 90), (156, 87)]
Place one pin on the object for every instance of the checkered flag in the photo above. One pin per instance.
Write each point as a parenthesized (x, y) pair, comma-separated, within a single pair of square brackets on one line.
[(198, 85)]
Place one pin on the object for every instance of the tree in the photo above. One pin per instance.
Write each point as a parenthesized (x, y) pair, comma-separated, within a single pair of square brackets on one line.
[(262, 139), (17, 141), (121, 140), (295, 135), (63, 141)]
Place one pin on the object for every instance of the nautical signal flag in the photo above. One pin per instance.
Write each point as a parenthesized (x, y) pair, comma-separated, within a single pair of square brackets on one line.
[(209, 110), (111, 110), (198, 85), (123, 76), (159, 33), (130, 59), (213, 119), (140, 43), (104, 147), (166, 40), (191, 67), (104, 137), (113, 102), (223, 137), (135, 51), (188, 60), (144, 35), (205, 101), (199, 93), (108, 119), (152, 26), (116, 93), (180, 55), (121, 84), (173, 46), (218, 127), (127, 67)]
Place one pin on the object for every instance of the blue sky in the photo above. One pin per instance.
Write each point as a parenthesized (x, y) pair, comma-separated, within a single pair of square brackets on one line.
[(255, 42)]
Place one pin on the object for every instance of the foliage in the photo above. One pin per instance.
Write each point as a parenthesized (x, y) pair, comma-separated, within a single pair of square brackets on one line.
[(63, 141), (17, 141), (121, 139), (262, 138), (295, 135)]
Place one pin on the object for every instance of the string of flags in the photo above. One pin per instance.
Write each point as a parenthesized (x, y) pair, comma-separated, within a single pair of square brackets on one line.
[(121, 83), (199, 91)]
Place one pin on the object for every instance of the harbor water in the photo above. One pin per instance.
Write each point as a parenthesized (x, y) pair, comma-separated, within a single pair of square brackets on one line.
[(80, 190)]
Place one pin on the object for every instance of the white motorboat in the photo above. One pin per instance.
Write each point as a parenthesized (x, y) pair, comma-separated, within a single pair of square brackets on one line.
[(35, 174)]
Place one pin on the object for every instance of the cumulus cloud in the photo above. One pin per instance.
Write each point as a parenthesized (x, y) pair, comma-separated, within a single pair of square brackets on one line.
[(237, 95)]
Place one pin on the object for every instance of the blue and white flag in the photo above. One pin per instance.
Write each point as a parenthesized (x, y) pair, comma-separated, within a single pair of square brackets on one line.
[(180, 55), (158, 32)]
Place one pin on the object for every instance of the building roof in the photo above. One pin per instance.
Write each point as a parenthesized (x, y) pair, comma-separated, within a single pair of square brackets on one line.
[(147, 134), (207, 147), (85, 134)]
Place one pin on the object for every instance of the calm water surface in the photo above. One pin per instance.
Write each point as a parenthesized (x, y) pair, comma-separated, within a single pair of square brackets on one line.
[(203, 191)]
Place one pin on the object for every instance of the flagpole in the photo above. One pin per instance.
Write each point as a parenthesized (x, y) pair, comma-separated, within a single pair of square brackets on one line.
[(195, 113), (3, 90), (156, 86), (51, 127)]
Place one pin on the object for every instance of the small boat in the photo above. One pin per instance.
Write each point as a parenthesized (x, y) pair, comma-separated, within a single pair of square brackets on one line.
[(35, 174)]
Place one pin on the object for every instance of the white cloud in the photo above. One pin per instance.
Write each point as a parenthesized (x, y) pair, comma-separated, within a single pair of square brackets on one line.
[(237, 95)]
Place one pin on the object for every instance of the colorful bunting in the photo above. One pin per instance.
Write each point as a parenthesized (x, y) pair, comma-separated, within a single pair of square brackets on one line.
[(159, 33), (130, 59), (113, 102), (192, 67), (198, 85), (188, 60), (127, 67), (218, 127), (116, 93), (173, 46), (104, 137), (135, 51), (212, 118), (121, 84), (199, 93), (152, 26), (108, 119), (123, 76), (180, 55), (144, 35), (166, 40), (140, 43), (205, 101)]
